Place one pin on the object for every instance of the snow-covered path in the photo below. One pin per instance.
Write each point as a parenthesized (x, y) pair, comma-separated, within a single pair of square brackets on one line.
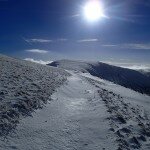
[(75, 119)]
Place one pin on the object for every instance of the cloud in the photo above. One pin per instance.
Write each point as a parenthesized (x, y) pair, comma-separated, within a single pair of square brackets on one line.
[(38, 41), (135, 66), (130, 65), (87, 40), (137, 46), (138, 67), (30, 41), (37, 51), (141, 46), (38, 61)]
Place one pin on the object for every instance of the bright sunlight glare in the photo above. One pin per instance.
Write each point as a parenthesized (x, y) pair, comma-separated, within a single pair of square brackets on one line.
[(93, 10)]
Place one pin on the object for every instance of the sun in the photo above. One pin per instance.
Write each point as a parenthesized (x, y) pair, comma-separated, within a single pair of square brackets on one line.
[(93, 10)]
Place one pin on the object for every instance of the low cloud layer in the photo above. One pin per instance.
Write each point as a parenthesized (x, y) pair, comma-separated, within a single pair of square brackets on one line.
[(134, 66), (38, 61), (138, 67)]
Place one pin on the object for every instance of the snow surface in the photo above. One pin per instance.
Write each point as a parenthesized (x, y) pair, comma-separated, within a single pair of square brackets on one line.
[(84, 113), (129, 113), (75, 119)]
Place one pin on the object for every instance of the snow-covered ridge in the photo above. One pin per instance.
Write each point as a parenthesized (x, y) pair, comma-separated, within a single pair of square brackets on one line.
[(126, 77), (24, 87), (87, 112)]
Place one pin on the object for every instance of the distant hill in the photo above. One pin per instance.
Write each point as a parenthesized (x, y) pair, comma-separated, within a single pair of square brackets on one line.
[(128, 78)]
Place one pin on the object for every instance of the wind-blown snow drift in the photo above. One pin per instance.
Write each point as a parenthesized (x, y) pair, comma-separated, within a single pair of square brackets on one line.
[(126, 77), (24, 86)]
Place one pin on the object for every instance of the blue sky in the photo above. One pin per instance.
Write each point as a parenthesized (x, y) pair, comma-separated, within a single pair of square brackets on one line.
[(57, 29)]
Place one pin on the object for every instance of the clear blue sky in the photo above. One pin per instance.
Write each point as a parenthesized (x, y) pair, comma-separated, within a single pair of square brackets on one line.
[(55, 29)]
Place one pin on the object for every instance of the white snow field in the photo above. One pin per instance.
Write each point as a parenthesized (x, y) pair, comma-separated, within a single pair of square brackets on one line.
[(84, 113)]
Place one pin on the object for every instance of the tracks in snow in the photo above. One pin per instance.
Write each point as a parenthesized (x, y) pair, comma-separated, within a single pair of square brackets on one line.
[(130, 125), (75, 119)]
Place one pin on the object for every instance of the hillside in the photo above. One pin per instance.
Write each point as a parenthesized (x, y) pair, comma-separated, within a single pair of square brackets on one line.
[(24, 87)]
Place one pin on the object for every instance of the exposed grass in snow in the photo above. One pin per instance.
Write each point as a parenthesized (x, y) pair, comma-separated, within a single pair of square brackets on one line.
[(24, 87)]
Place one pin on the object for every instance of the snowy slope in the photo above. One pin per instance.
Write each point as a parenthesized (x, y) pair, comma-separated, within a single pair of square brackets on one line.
[(86, 113), (75, 119), (24, 87), (126, 77), (129, 114)]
